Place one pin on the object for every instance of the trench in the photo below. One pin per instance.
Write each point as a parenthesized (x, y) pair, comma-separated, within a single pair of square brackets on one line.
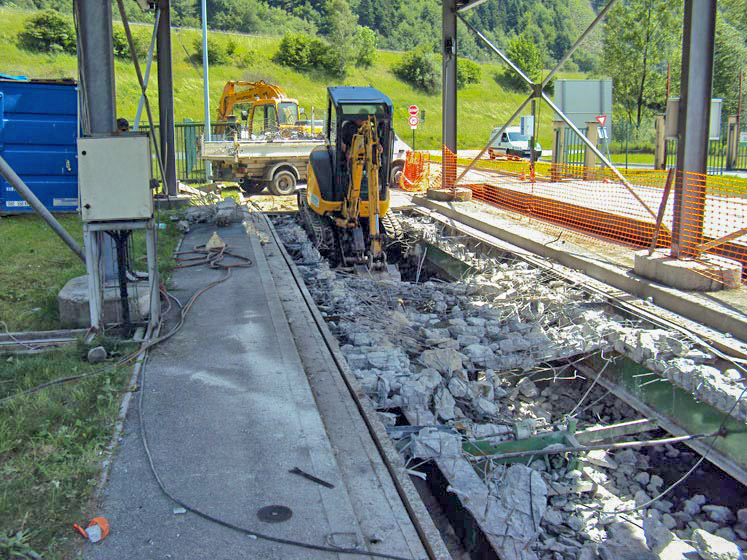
[(477, 353)]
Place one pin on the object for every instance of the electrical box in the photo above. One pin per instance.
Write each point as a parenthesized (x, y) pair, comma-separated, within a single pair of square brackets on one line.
[(114, 178)]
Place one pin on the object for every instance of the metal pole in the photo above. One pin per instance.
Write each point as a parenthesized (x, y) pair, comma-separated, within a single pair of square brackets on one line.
[(166, 99), (96, 67), (739, 105), (17, 183), (206, 90), (694, 116), (495, 137), (148, 65), (497, 51), (96, 56), (598, 153), (449, 102)]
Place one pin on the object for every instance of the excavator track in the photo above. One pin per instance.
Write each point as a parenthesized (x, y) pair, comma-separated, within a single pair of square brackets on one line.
[(319, 228), (391, 227)]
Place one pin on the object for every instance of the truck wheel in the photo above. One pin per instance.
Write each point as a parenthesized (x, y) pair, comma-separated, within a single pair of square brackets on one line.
[(283, 183), (251, 187), (396, 174)]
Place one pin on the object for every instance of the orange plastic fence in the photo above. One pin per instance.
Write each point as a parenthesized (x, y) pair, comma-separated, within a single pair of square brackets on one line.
[(416, 173), (595, 202)]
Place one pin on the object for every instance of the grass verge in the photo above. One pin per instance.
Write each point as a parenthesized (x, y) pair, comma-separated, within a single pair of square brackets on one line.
[(52, 442)]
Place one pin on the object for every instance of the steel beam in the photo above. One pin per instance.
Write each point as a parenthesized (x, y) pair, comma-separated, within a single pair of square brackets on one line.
[(166, 99), (469, 4), (206, 87), (578, 42), (449, 99), (96, 63), (694, 116), (98, 99)]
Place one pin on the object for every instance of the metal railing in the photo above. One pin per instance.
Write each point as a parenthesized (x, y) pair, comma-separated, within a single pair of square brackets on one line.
[(716, 155), (189, 167), (575, 148)]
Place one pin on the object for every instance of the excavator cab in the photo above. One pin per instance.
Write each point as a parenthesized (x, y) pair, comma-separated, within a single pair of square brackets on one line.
[(346, 202)]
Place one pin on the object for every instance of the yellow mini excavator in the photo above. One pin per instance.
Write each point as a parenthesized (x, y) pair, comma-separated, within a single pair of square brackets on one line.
[(345, 205)]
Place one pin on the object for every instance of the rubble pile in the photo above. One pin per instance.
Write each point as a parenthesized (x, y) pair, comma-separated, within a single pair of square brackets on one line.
[(490, 358)]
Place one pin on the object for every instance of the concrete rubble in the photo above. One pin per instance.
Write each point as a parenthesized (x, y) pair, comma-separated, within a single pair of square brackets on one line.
[(491, 357), (221, 213)]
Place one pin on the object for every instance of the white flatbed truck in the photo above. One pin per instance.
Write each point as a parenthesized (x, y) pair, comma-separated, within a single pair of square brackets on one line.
[(255, 164)]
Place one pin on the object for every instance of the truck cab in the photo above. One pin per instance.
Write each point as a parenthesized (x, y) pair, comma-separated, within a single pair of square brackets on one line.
[(512, 142)]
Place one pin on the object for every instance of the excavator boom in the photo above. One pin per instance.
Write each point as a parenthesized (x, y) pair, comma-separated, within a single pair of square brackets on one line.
[(237, 91)]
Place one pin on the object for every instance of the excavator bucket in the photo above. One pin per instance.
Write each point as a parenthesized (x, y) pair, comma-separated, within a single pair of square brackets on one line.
[(389, 272)]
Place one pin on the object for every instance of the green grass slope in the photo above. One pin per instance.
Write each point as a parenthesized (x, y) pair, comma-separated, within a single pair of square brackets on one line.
[(481, 106)]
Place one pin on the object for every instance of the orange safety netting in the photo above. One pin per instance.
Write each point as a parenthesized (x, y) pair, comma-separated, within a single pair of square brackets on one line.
[(596, 202), (416, 173)]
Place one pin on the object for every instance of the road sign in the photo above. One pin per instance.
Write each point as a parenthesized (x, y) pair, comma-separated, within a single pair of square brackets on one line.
[(414, 110), (602, 120), (414, 122)]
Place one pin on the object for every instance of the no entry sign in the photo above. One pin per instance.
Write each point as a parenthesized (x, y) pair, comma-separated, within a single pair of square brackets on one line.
[(414, 110)]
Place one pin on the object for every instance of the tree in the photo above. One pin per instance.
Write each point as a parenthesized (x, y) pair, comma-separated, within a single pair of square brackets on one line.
[(640, 37), (340, 25), (365, 46), (729, 58), (523, 52)]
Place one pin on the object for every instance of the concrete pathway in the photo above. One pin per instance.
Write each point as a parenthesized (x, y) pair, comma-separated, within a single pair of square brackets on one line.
[(229, 411)]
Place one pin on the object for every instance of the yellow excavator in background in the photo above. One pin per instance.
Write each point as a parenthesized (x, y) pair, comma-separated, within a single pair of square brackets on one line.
[(345, 207), (271, 108)]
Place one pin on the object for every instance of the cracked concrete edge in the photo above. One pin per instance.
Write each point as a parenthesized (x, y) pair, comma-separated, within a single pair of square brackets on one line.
[(619, 278), (430, 535)]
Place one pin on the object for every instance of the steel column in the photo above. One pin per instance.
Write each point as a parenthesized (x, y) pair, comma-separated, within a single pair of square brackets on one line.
[(449, 99), (166, 99), (97, 89), (206, 88), (96, 63), (694, 116)]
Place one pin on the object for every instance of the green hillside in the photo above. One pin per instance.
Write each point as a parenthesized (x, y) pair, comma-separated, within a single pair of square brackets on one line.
[(481, 106)]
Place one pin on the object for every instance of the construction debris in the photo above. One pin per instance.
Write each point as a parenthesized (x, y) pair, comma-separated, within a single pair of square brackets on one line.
[(490, 360)]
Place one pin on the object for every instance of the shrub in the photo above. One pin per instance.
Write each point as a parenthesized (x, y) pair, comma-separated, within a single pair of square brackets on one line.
[(48, 31), (420, 69), (468, 72), (217, 51), (364, 46), (294, 51), (302, 52), (122, 49)]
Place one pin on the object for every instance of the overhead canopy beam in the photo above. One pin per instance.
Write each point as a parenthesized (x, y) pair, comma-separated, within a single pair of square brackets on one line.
[(469, 4)]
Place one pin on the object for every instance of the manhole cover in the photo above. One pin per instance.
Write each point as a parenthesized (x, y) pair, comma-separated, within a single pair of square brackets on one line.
[(274, 514)]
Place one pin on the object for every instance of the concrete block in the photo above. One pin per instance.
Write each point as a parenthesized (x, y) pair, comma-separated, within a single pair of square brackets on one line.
[(714, 273), (446, 195), (72, 302)]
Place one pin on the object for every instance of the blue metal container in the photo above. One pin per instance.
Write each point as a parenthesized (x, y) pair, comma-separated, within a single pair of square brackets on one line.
[(38, 133)]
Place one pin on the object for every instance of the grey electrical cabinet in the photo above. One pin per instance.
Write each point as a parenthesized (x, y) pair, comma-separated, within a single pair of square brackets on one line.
[(114, 178)]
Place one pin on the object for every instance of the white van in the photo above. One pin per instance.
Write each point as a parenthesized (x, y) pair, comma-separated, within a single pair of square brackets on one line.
[(512, 142)]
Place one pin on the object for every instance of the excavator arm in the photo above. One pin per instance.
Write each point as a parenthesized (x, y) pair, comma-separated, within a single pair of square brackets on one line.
[(365, 155), (237, 91)]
